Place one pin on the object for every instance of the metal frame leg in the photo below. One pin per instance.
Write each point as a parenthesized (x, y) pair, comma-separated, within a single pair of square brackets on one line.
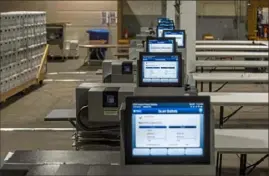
[(76, 132), (219, 164), (87, 58), (221, 117), (210, 86), (202, 86), (202, 83), (72, 123), (243, 164)]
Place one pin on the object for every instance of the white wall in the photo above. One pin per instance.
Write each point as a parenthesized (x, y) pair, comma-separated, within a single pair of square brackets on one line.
[(141, 13), (219, 8), (142, 7)]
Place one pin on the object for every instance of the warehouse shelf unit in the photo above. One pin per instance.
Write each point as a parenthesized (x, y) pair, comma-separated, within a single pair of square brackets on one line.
[(22, 51)]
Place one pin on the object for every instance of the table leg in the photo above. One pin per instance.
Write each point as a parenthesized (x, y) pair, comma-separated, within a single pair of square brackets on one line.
[(243, 164), (76, 133), (76, 146), (72, 123), (221, 117), (87, 57), (202, 86), (99, 53), (219, 164), (210, 86)]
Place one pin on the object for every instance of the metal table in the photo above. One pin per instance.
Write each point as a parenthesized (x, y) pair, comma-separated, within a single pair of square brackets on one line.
[(231, 47), (231, 54), (229, 65), (220, 99), (62, 115), (98, 46), (229, 77), (231, 42), (223, 99)]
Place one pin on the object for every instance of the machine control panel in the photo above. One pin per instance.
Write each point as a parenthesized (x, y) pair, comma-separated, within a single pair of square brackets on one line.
[(127, 68), (110, 97)]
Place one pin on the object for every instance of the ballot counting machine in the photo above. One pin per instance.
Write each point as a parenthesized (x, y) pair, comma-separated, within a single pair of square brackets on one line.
[(124, 71), (151, 130), (103, 100), (119, 71), (113, 70)]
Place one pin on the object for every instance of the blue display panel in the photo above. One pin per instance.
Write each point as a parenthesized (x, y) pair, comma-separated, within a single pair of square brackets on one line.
[(164, 21), (160, 69), (167, 23), (168, 129), (160, 20), (161, 46), (161, 28), (178, 35)]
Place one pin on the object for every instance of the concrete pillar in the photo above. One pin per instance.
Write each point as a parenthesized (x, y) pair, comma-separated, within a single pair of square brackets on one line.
[(188, 23), (170, 10)]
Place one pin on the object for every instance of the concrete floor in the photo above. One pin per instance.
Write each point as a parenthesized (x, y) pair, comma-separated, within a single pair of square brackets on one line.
[(28, 111)]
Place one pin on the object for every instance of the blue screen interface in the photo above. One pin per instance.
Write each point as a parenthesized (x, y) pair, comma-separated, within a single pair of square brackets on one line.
[(164, 20), (160, 20), (167, 129), (162, 28), (160, 69), (160, 46), (178, 35)]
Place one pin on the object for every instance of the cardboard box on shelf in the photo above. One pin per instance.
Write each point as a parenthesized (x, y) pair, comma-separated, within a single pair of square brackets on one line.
[(22, 41)]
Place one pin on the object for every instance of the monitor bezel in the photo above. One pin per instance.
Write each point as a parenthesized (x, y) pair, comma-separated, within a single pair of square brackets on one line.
[(184, 42), (162, 39), (139, 68), (191, 160), (157, 30)]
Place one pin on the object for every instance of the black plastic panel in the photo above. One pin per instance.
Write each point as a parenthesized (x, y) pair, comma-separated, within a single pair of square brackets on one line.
[(69, 157), (4, 172), (127, 68), (110, 97)]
